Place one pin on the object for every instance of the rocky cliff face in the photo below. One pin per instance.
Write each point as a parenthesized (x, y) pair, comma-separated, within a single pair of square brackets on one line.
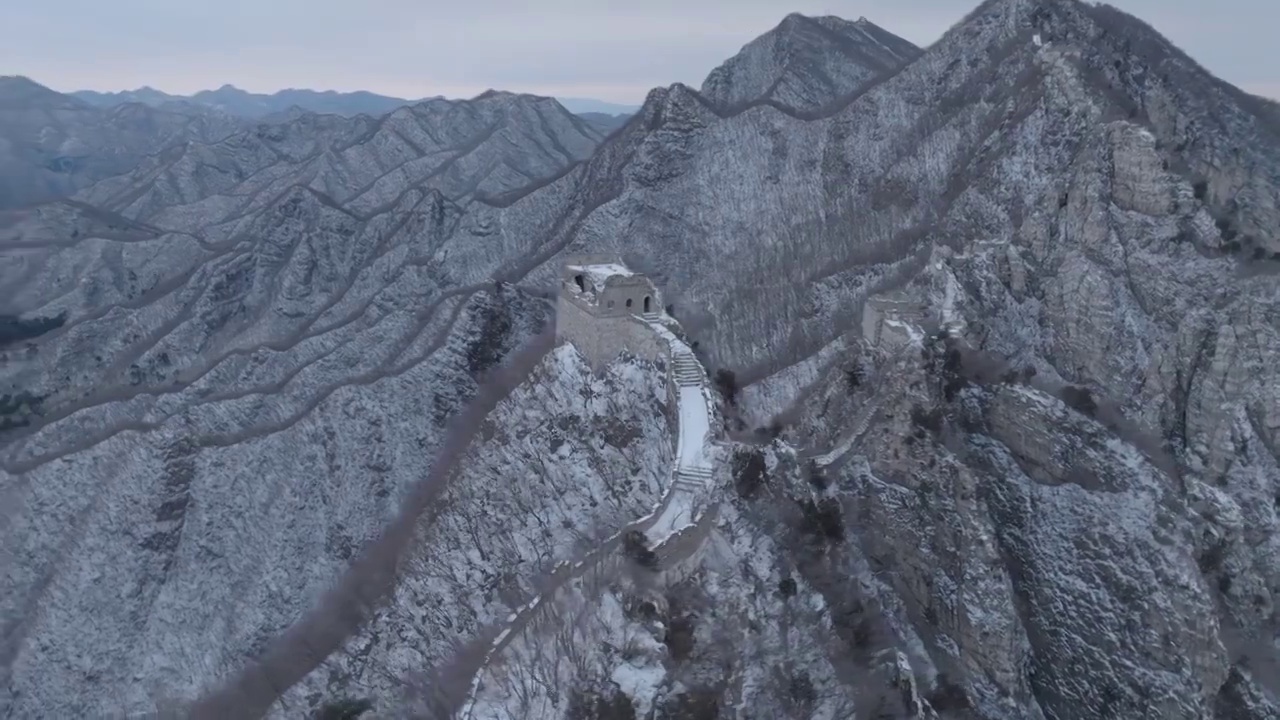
[(1066, 508), (1075, 155)]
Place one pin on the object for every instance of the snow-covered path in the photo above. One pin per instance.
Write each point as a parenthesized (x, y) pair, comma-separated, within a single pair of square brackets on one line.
[(694, 450), (695, 426)]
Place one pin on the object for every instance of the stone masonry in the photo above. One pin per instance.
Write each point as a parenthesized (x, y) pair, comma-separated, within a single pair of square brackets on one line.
[(598, 308), (882, 316)]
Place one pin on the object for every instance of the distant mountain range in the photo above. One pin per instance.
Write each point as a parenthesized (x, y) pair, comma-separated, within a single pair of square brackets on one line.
[(53, 144), (234, 101)]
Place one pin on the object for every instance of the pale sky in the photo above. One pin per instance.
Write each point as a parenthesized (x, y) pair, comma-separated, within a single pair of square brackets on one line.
[(605, 49)]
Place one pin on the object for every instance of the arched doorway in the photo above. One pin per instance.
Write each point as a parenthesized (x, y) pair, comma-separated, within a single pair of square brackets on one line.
[(581, 285), (646, 303)]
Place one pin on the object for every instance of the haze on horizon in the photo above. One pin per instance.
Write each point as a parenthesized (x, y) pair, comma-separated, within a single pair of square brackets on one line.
[(564, 48)]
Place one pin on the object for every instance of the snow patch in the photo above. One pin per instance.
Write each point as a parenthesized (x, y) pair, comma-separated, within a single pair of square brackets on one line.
[(695, 427), (598, 274)]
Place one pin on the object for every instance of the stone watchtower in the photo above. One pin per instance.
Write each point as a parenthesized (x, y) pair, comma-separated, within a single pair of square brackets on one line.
[(885, 317), (602, 308), (603, 286)]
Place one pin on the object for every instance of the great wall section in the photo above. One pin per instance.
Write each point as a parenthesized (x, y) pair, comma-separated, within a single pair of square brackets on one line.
[(604, 309)]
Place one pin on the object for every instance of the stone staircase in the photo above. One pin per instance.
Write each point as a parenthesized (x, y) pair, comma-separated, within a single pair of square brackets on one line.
[(693, 479), (687, 370), (651, 317)]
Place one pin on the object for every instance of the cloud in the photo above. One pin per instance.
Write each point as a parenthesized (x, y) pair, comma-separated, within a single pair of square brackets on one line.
[(566, 47)]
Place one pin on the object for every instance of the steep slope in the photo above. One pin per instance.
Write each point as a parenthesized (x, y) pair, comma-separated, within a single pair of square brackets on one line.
[(299, 297), (52, 145), (805, 63), (1109, 233), (1080, 195), (193, 584), (1109, 230), (604, 123)]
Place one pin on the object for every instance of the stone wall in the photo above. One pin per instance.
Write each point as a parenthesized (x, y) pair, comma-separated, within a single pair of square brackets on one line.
[(893, 335), (601, 338), (899, 307), (634, 289)]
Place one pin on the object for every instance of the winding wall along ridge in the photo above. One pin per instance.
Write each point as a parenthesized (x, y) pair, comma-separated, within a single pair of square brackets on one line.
[(682, 542)]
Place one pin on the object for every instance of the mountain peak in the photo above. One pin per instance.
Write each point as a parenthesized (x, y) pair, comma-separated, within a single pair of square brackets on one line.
[(20, 88), (15, 83), (807, 62), (506, 97)]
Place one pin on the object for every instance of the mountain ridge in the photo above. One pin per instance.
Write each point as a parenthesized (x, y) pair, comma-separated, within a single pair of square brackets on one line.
[(804, 62), (52, 145), (236, 101), (1066, 472)]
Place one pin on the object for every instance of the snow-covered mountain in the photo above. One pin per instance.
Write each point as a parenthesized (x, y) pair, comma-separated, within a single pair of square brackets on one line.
[(234, 101), (489, 146), (805, 63), (242, 103), (280, 227), (52, 145), (1052, 497)]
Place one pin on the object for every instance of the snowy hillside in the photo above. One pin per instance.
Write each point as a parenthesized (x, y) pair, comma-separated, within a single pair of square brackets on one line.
[(1037, 479), (807, 63), (52, 145)]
